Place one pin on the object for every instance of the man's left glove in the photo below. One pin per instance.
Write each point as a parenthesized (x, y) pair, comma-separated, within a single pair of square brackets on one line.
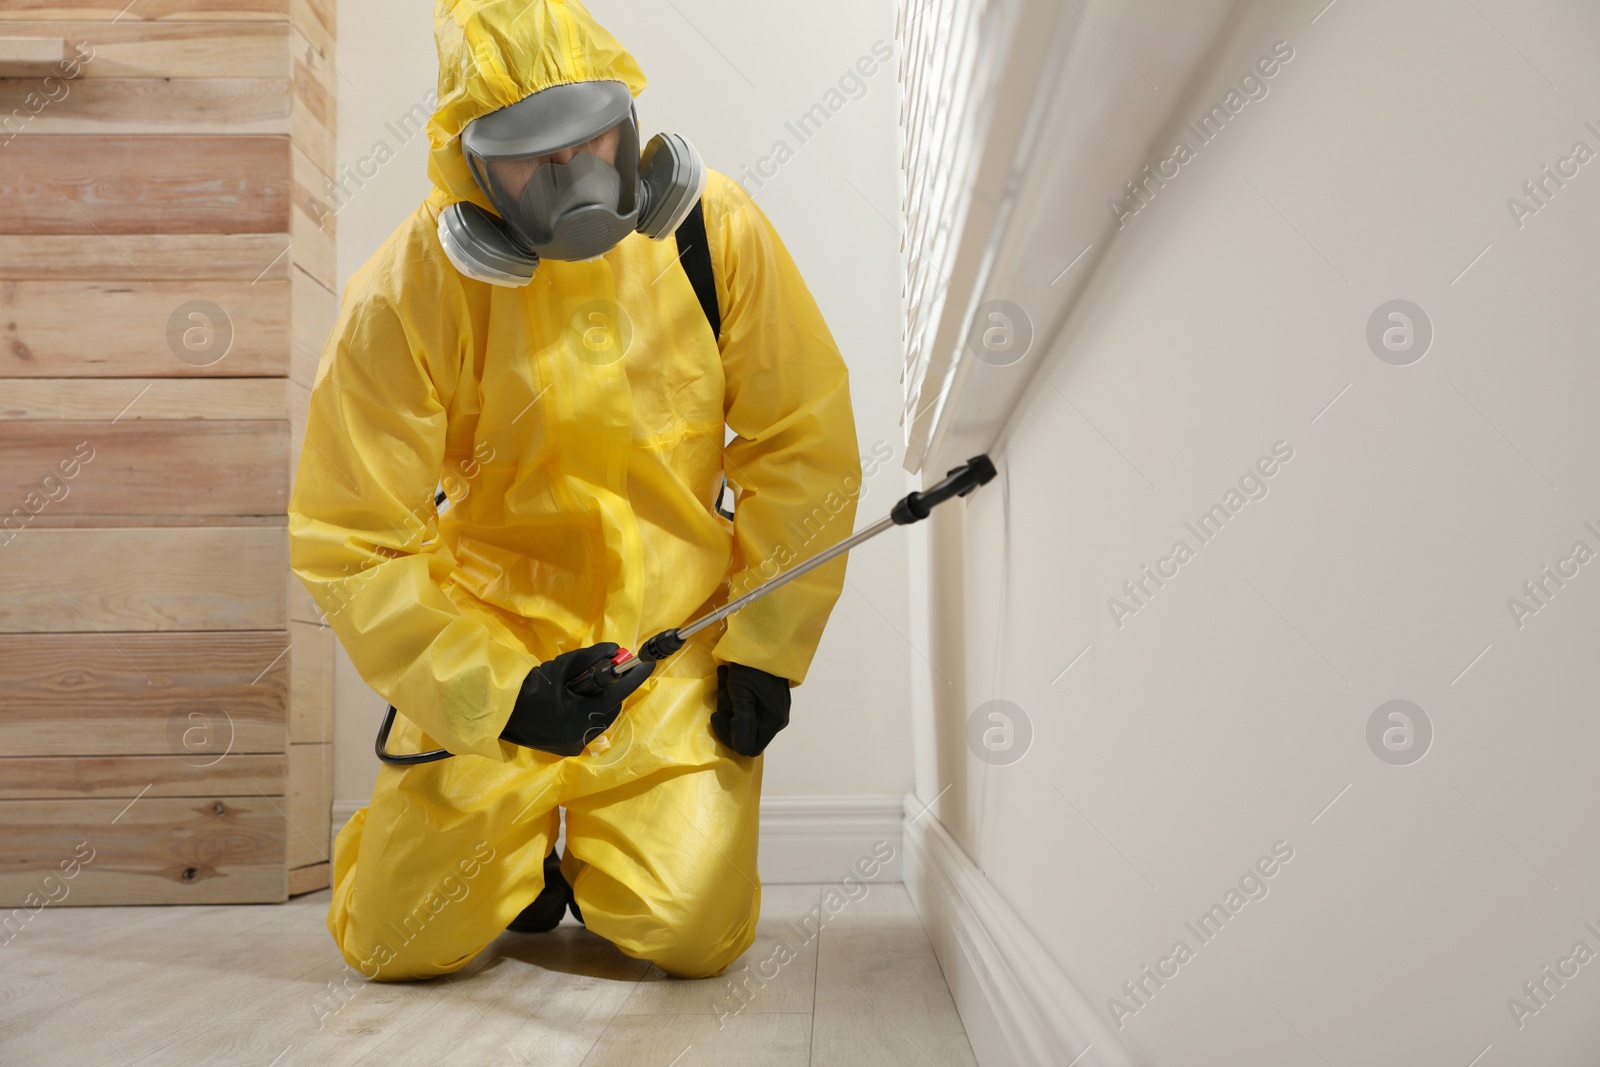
[(752, 706)]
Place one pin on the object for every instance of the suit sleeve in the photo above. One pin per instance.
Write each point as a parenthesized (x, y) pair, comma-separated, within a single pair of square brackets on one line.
[(794, 463), (363, 529)]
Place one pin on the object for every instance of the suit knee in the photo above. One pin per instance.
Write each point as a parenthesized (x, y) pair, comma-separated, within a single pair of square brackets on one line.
[(696, 959), (703, 945), (383, 963), (397, 947)]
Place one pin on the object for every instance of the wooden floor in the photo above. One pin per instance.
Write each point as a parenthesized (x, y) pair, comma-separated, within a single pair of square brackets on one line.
[(263, 986)]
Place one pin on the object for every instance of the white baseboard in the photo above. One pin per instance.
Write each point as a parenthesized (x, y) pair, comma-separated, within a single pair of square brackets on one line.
[(820, 839), (1019, 1008), (342, 811), (803, 839)]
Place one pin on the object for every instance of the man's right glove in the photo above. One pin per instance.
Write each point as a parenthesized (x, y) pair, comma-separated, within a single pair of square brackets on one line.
[(551, 718)]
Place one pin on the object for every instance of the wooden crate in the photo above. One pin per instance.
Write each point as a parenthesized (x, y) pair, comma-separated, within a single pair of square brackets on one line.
[(166, 285)]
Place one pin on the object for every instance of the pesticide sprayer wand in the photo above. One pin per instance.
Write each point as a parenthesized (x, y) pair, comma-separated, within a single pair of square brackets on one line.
[(917, 506)]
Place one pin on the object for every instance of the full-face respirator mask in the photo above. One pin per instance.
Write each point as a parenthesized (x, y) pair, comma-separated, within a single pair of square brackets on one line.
[(576, 210)]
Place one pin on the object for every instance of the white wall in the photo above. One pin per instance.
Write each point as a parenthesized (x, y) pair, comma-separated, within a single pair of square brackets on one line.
[(728, 76), (1232, 709)]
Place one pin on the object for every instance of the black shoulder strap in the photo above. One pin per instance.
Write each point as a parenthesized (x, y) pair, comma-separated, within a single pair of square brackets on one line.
[(694, 252)]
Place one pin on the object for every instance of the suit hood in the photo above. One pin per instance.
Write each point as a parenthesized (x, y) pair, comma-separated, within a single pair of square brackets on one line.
[(493, 53)]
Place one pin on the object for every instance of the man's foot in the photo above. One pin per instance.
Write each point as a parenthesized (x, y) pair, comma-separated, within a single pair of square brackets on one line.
[(547, 908)]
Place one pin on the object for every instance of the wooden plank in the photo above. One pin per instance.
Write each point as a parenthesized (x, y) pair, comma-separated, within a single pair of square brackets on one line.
[(315, 109), (310, 682), (311, 222), (314, 310), (313, 21), (315, 88), (228, 578), (309, 879), (302, 609), (203, 698), (315, 247), (32, 57), (134, 329), (148, 106), (310, 799), (129, 399), (299, 416), (137, 468), (50, 520), (96, 10), (133, 48), (116, 184), (51, 777), (311, 184), (159, 850), (145, 257)]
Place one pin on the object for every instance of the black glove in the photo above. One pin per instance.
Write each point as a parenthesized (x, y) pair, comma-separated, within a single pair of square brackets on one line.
[(752, 706), (551, 718)]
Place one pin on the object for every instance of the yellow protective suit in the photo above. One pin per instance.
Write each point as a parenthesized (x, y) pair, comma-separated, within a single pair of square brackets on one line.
[(578, 426)]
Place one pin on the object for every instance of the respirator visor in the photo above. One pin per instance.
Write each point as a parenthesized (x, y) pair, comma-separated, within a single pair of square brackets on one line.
[(561, 168)]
